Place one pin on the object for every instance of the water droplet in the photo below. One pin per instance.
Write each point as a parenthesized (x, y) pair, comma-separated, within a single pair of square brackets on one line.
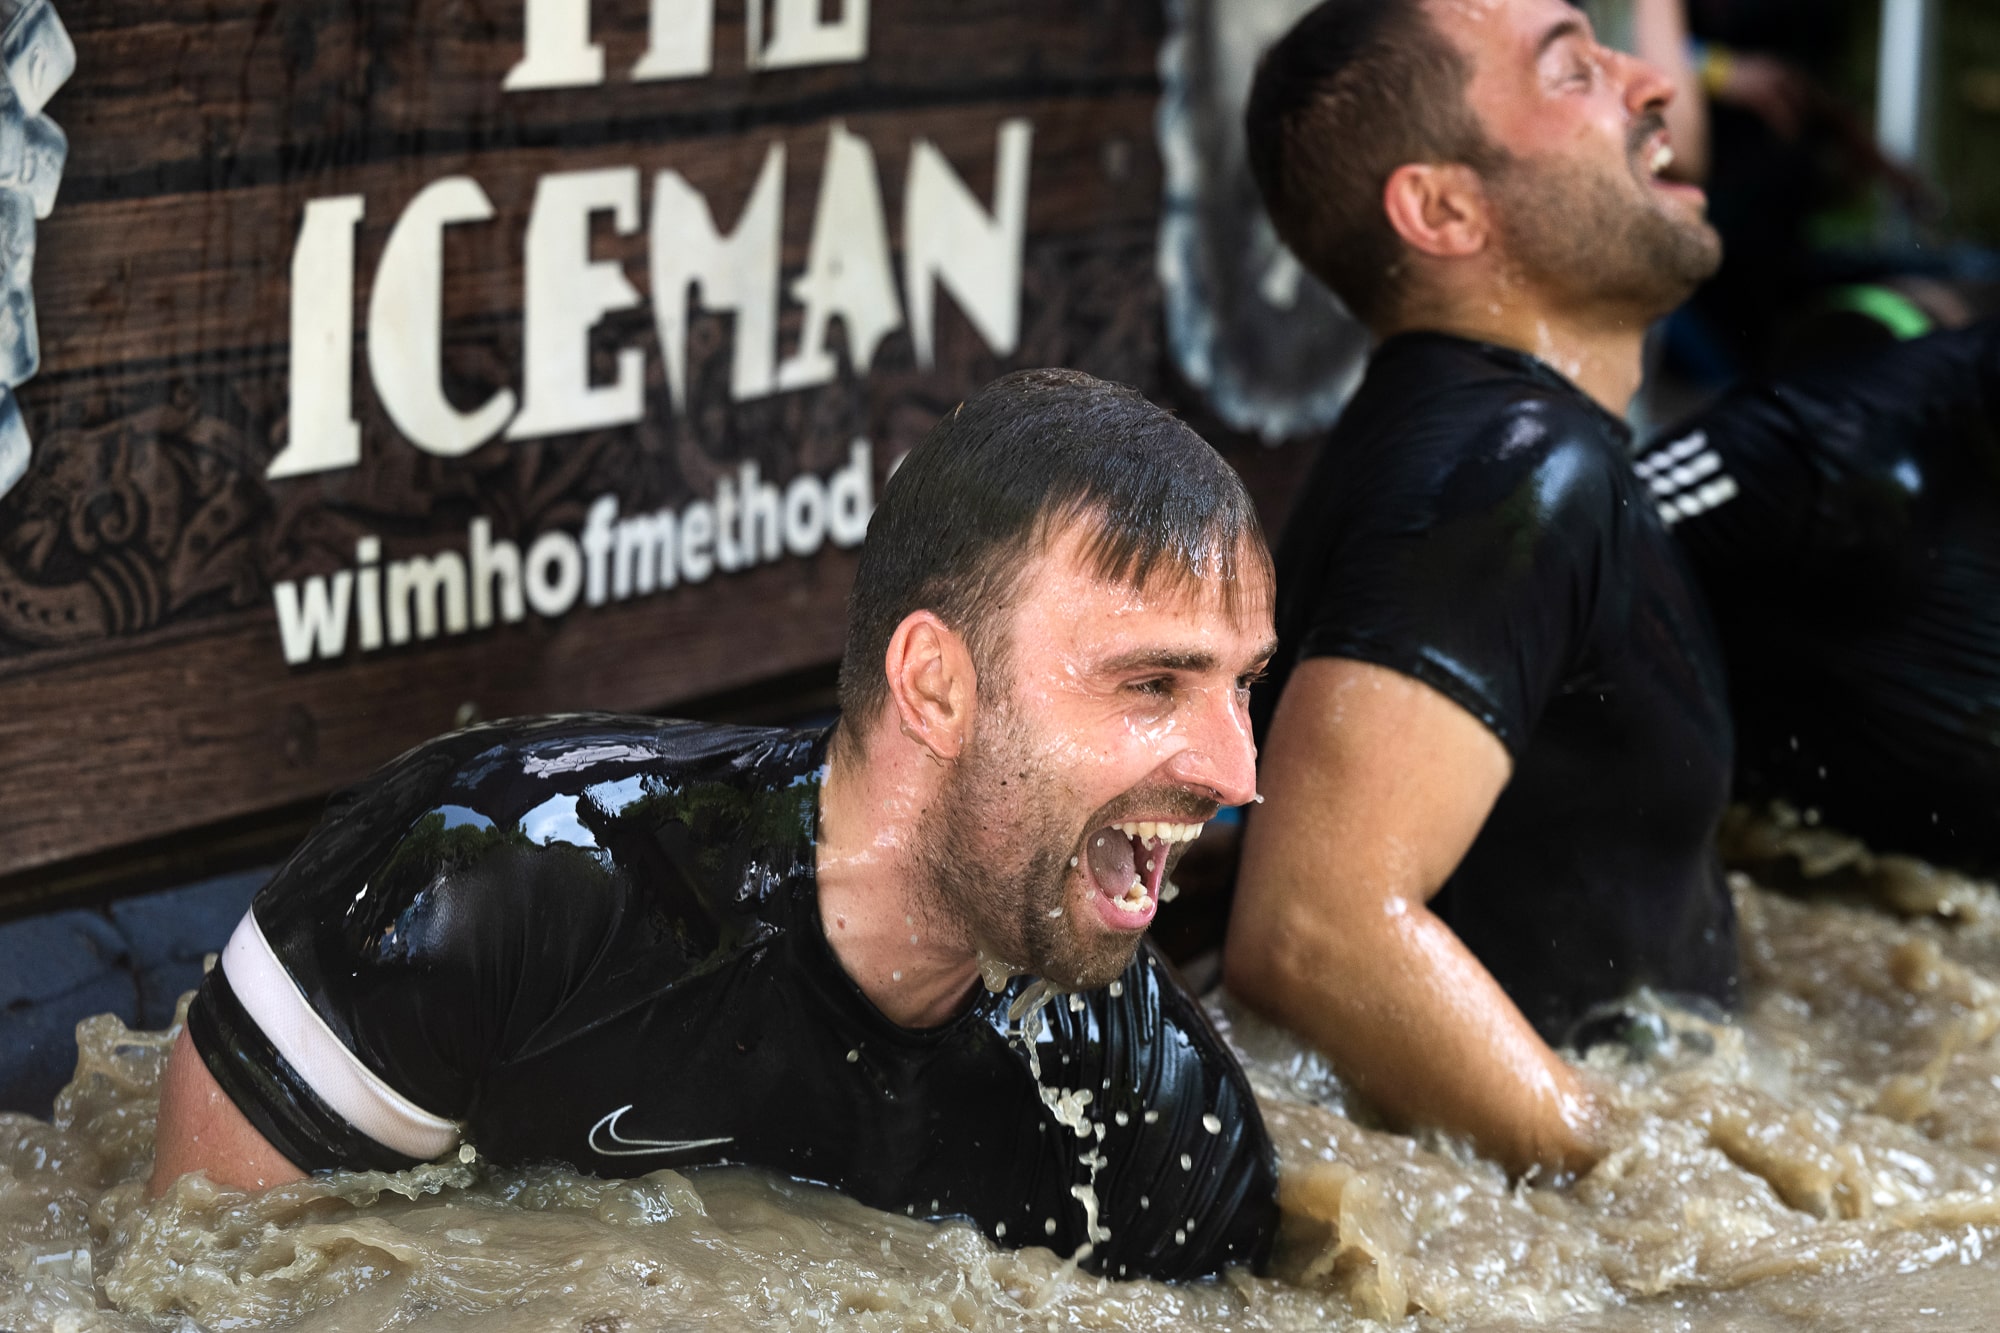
[(1187, 1162), (913, 939), (1145, 1202), (1117, 988), (1075, 1003), (1122, 1119), (1212, 1123), (853, 1057), (1072, 863), (1180, 1237), (895, 976), (1049, 1227), (1152, 1117)]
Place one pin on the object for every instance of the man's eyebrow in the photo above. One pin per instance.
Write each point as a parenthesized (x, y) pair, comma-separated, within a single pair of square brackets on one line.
[(1163, 659), (1569, 27), (1177, 659)]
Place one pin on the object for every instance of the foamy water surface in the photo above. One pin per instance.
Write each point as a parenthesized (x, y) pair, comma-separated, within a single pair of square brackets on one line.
[(1830, 1161)]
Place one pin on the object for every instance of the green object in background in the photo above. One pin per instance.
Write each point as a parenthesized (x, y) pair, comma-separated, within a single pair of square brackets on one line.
[(1904, 318)]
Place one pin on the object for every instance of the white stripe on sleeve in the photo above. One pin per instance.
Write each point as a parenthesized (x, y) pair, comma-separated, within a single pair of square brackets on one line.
[(281, 1011)]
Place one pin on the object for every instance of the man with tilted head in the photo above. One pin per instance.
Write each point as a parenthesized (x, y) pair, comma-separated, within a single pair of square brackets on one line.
[(1496, 740), (628, 944)]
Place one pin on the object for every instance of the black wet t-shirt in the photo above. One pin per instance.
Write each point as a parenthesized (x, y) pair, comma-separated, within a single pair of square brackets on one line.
[(1474, 521), (597, 940), (1845, 524)]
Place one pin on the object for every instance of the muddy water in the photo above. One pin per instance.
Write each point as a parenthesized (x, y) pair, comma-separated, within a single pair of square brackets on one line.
[(1831, 1162)]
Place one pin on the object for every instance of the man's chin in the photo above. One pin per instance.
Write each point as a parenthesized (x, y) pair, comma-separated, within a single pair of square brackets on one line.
[(1086, 968), (1681, 254)]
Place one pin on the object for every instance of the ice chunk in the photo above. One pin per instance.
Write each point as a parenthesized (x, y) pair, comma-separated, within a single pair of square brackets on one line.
[(13, 441), (32, 151), (42, 165), (35, 50), (20, 347)]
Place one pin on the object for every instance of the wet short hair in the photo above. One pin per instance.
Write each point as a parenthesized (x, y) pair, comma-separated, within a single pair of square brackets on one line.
[(1003, 474), (1355, 90)]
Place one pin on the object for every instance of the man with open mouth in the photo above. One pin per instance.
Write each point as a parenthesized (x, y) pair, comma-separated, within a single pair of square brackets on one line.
[(904, 957), (1497, 739)]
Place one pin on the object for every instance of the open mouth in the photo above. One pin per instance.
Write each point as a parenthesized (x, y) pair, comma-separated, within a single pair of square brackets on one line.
[(1651, 162), (1127, 864)]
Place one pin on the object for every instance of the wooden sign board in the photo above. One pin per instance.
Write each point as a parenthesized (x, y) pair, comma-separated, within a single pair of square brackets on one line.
[(522, 355)]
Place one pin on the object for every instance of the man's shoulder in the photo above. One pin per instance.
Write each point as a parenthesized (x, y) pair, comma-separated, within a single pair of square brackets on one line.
[(500, 773), (1527, 458), (556, 749), (518, 810), (1435, 409)]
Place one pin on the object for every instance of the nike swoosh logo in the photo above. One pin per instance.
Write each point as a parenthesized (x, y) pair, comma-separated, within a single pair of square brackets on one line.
[(606, 1141)]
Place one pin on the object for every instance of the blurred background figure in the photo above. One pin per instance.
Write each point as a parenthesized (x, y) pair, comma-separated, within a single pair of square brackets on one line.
[(1841, 145), (1844, 524), (1841, 516)]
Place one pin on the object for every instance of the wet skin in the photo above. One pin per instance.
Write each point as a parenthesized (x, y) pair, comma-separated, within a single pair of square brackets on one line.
[(1377, 783), (1120, 703), (1543, 87), (1115, 704), (1534, 256)]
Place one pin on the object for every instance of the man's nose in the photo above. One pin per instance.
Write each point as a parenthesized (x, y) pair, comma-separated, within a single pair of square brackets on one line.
[(1647, 87), (1220, 755)]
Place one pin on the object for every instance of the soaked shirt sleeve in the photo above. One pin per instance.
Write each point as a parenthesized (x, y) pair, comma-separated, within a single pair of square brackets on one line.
[(1481, 578), (454, 910), (405, 948), (1836, 471)]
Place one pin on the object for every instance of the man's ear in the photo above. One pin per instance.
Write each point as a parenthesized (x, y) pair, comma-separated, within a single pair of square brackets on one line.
[(1439, 209), (932, 684)]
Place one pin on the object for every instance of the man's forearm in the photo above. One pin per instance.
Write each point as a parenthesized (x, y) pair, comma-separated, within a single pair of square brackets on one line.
[(1376, 785), (1422, 1029)]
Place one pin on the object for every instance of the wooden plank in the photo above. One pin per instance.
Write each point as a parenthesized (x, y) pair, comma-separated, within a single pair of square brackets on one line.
[(194, 731), (171, 98), (180, 276)]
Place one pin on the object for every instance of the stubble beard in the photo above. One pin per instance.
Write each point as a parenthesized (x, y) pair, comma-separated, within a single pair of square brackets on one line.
[(996, 852), (1586, 235)]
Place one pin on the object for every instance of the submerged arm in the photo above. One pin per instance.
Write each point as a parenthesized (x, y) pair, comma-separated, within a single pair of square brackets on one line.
[(1375, 785), (201, 1130)]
